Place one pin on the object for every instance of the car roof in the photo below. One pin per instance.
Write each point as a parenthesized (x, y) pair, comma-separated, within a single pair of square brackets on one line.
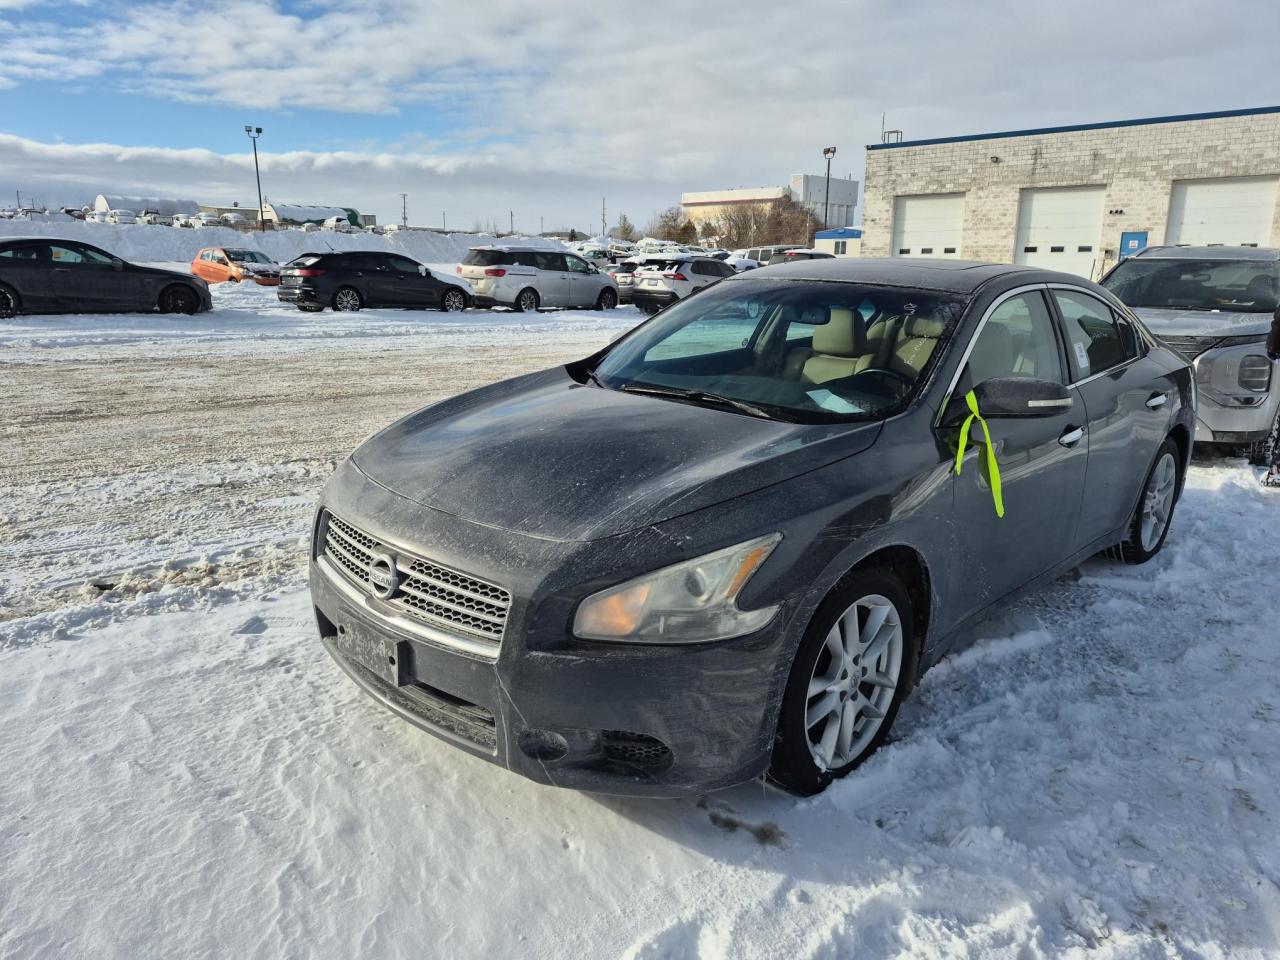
[(515, 248), (1210, 253), (950, 276)]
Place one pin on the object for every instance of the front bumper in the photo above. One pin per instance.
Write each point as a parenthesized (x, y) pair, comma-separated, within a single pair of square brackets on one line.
[(1225, 413), (660, 721)]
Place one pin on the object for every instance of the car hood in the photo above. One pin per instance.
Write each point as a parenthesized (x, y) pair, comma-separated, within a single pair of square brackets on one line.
[(548, 457), (1203, 323)]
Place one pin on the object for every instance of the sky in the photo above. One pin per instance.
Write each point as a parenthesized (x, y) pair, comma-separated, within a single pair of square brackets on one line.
[(486, 112)]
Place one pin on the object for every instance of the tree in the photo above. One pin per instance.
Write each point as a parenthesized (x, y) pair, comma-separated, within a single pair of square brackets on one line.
[(573, 236), (625, 229), (756, 224), (666, 225), (688, 233)]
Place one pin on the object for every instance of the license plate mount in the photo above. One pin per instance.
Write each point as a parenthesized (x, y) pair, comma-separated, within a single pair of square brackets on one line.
[(386, 658)]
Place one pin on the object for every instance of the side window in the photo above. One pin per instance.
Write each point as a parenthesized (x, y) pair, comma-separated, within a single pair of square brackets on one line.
[(524, 258), (1095, 340), (753, 254), (701, 268), (403, 264), (725, 269), (577, 265), (1017, 341), (550, 261)]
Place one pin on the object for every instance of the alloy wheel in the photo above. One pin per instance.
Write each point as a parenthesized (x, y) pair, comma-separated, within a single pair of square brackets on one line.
[(454, 301), (854, 680), (1157, 501), (528, 301), (346, 299)]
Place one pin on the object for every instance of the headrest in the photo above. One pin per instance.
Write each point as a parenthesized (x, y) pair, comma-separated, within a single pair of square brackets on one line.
[(843, 335), (930, 327)]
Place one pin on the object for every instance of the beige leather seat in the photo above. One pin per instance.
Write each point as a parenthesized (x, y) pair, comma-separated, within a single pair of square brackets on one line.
[(839, 347), (916, 341)]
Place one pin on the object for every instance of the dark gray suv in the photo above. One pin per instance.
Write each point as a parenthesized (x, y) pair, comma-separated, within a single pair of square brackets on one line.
[(729, 543)]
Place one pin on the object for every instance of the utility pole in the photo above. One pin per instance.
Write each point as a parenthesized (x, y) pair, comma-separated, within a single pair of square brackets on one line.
[(827, 152), (604, 225), (254, 133), (542, 226), (404, 209), (444, 220), (512, 215)]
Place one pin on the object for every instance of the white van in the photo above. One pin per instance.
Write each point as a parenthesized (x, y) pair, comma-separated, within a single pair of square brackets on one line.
[(528, 278)]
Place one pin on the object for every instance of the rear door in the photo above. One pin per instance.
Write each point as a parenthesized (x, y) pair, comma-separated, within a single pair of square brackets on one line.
[(1042, 461), (552, 279), (28, 268), (1129, 401)]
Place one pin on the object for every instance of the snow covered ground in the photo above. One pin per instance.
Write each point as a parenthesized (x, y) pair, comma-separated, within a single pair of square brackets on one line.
[(183, 773)]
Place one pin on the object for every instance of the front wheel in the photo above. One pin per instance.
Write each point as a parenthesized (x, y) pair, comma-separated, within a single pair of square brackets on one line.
[(347, 300), (1150, 524), (179, 299), (851, 673), (453, 301)]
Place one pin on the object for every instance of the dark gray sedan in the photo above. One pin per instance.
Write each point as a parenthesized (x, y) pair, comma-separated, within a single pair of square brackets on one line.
[(729, 543), (41, 275)]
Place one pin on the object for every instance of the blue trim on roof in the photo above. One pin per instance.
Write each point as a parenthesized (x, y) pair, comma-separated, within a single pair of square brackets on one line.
[(838, 233), (1074, 128)]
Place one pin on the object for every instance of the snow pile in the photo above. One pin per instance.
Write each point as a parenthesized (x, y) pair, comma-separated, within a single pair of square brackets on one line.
[(147, 243), (301, 213), (141, 205)]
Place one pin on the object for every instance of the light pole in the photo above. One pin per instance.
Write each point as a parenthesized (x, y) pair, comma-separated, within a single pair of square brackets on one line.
[(827, 152), (404, 209), (254, 133)]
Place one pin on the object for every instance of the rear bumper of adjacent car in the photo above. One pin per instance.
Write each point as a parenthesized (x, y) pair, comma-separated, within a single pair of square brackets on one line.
[(298, 294), (647, 297)]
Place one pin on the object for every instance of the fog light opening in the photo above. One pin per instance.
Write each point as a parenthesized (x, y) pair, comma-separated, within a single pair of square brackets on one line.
[(544, 746)]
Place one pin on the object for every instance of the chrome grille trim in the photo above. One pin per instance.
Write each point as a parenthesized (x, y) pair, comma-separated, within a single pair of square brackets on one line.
[(1191, 347), (441, 599)]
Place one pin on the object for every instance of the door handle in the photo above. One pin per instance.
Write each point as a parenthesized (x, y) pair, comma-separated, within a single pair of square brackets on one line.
[(1157, 400), (1071, 436)]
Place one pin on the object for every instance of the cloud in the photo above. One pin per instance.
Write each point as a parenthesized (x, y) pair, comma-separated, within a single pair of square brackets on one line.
[(642, 104)]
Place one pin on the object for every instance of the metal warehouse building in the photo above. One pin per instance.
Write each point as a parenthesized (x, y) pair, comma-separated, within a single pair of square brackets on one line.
[(1077, 198)]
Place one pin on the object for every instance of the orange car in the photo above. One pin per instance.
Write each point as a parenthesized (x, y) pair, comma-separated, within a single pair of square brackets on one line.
[(216, 264)]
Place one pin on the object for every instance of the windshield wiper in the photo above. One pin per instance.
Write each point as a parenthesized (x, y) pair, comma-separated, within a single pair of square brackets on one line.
[(699, 396)]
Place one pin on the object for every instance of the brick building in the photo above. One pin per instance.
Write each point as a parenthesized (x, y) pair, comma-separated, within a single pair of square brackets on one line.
[(1077, 198)]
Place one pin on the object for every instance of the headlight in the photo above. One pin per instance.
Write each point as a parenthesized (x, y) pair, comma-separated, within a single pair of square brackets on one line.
[(690, 602)]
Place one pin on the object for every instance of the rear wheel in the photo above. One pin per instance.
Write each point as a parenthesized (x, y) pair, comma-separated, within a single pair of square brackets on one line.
[(347, 299), (453, 301), (851, 673), (527, 300), (608, 299), (8, 303), (1150, 524), (178, 298)]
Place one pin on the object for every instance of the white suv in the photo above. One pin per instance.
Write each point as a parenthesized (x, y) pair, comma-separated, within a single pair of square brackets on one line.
[(527, 278), (657, 287)]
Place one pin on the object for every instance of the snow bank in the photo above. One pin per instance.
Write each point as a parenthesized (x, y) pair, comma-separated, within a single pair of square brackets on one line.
[(147, 243)]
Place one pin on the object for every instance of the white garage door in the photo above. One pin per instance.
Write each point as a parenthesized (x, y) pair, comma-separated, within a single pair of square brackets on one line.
[(1059, 229), (928, 226), (1234, 211)]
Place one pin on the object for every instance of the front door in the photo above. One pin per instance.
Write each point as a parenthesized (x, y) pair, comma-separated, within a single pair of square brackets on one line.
[(1129, 400), (412, 289), (87, 279), (1042, 463)]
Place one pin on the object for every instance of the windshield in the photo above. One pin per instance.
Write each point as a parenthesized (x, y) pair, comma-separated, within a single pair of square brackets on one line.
[(247, 256), (1247, 286), (800, 351)]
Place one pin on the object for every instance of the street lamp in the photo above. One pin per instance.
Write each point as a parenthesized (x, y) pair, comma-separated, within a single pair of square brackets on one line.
[(254, 133), (827, 152)]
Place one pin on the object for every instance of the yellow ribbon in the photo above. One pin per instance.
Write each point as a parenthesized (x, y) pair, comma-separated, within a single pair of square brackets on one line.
[(993, 468)]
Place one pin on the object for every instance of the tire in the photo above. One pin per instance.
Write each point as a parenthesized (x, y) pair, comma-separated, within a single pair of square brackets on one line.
[(453, 301), (8, 303), (178, 298), (608, 300), (1150, 525), (347, 300), (807, 757), (527, 300), (311, 307)]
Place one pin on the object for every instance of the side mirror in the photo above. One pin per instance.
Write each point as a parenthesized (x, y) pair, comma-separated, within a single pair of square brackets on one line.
[(1013, 397)]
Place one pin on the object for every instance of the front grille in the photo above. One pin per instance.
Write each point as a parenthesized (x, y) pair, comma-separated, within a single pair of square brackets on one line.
[(1191, 347), (426, 590)]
